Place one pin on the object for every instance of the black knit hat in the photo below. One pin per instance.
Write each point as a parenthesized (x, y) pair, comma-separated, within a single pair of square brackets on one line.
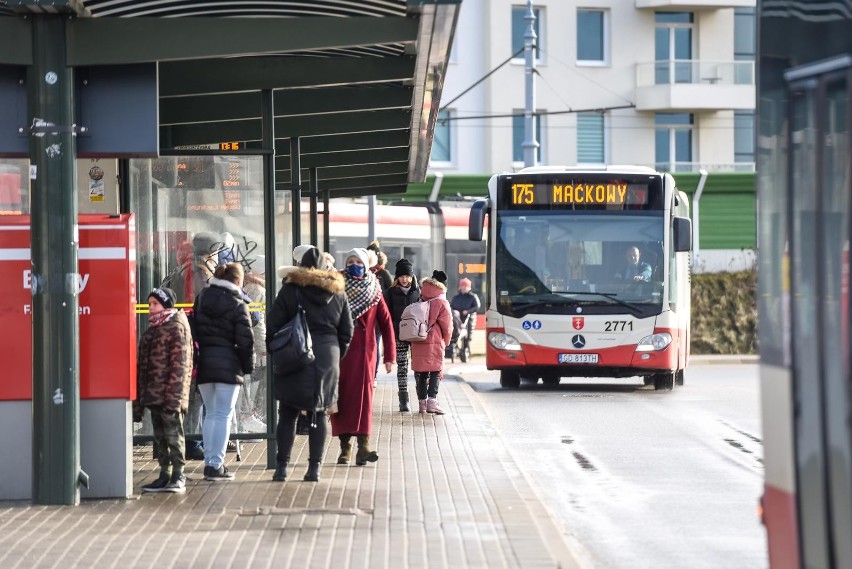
[(164, 296), (404, 267), (312, 259), (440, 276)]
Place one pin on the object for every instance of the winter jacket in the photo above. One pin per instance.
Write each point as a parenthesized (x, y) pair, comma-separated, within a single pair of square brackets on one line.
[(385, 278), (326, 308), (428, 355), (397, 299), (467, 302), (255, 287), (189, 279), (164, 366), (222, 328)]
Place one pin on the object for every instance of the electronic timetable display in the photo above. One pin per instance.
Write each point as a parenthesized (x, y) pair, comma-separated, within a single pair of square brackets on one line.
[(587, 192)]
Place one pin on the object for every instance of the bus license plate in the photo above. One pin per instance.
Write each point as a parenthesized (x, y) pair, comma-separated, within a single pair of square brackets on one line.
[(578, 358)]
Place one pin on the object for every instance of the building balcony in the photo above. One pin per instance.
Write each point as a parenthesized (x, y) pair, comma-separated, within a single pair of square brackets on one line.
[(712, 168), (690, 5), (689, 85)]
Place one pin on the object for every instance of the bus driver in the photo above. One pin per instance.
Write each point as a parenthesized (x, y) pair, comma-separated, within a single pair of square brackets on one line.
[(634, 269)]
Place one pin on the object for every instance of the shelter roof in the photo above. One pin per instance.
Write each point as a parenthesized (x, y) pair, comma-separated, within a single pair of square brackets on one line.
[(357, 81)]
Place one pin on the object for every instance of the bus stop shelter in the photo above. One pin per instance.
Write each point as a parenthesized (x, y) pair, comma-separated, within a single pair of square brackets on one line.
[(335, 98)]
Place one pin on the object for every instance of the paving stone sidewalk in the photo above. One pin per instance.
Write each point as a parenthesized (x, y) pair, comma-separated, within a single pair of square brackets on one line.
[(444, 493)]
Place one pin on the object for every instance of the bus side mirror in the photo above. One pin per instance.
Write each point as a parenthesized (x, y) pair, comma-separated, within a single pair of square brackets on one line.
[(477, 219), (682, 234)]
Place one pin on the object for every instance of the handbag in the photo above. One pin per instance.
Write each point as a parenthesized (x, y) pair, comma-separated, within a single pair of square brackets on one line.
[(291, 347)]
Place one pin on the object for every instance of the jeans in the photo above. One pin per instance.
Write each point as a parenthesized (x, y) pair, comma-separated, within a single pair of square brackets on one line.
[(219, 401)]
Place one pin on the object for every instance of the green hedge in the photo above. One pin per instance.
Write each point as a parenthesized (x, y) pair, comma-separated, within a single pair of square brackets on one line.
[(724, 313)]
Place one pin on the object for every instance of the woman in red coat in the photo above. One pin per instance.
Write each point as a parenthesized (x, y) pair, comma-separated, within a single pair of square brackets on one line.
[(427, 357), (357, 368)]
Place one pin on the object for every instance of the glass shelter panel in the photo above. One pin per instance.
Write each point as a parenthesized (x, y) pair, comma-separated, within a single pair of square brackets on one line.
[(194, 213)]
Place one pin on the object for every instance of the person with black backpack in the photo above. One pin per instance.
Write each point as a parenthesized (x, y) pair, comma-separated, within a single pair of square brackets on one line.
[(400, 294), (314, 389)]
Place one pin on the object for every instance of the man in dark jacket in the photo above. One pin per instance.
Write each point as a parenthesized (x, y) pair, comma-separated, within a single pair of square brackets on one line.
[(313, 389), (464, 304)]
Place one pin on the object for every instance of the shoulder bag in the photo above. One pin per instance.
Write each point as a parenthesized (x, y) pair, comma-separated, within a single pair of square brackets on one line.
[(291, 347)]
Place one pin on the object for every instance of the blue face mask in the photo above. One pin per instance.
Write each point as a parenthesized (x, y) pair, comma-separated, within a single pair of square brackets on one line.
[(355, 270)]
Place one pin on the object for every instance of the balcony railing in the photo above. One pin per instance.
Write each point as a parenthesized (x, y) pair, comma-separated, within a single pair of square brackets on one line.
[(694, 71), (696, 166)]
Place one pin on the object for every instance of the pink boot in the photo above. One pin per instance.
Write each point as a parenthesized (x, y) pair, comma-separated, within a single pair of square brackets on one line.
[(422, 403), (432, 407)]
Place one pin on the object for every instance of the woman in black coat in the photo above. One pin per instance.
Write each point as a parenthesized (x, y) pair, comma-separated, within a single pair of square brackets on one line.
[(314, 388), (222, 328)]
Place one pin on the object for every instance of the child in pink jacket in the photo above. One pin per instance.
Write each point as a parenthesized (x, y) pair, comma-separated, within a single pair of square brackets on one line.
[(427, 356)]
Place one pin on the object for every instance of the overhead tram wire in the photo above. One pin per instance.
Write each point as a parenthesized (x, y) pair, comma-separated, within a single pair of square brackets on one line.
[(480, 80), (600, 110)]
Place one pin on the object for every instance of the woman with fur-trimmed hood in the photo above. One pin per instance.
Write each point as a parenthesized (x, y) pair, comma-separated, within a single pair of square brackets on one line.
[(427, 357), (314, 388)]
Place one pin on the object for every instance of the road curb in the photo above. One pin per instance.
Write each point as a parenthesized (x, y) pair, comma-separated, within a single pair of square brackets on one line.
[(723, 359)]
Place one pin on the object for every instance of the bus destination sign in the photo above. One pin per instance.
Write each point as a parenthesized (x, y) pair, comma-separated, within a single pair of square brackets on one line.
[(596, 194)]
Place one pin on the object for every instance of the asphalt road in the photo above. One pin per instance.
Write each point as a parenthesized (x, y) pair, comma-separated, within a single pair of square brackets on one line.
[(639, 478)]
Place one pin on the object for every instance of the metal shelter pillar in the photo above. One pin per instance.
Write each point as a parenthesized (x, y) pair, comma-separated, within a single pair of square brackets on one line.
[(54, 241), (314, 203), (267, 111), (296, 185)]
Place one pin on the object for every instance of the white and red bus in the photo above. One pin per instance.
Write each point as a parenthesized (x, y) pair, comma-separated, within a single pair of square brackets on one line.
[(804, 182), (559, 302)]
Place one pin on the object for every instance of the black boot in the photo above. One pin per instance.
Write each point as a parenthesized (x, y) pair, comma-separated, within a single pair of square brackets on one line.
[(312, 475), (364, 454), (280, 472), (345, 449), (403, 402)]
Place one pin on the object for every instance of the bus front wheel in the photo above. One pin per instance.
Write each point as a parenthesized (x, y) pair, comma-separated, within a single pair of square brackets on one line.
[(679, 377), (510, 379), (664, 381)]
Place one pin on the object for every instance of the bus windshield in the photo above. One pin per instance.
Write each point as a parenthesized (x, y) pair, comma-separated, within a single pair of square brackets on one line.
[(584, 261)]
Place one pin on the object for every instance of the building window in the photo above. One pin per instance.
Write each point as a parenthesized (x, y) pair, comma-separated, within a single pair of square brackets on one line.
[(673, 142), (519, 28), (744, 34), (442, 143), (590, 138), (518, 136), (744, 136), (591, 36), (673, 47)]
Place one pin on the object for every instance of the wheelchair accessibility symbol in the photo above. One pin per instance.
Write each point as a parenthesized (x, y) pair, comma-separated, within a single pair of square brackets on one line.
[(534, 324)]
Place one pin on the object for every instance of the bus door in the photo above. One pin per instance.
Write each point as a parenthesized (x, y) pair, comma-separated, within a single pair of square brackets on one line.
[(819, 212)]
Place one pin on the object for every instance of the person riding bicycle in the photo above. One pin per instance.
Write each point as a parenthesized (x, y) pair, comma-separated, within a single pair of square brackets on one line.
[(465, 303)]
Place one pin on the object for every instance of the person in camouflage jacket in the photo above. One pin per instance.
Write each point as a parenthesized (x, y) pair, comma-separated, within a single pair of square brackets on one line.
[(163, 375)]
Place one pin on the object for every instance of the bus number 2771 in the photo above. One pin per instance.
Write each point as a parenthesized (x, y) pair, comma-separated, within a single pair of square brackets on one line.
[(617, 325)]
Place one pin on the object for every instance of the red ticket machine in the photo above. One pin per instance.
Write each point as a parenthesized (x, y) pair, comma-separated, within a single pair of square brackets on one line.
[(107, 295)]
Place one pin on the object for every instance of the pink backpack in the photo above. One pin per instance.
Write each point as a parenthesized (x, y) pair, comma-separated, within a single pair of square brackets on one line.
[(414, 323)]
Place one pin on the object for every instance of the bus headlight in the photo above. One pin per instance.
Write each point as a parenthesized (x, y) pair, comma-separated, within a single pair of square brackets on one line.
[(654, 342), (503, 341)]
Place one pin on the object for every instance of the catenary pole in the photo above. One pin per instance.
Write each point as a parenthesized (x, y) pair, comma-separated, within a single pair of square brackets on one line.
[(530, 144)]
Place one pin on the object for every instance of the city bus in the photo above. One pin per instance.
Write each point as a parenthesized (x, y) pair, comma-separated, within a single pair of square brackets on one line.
[(804, 181), (559, 302)]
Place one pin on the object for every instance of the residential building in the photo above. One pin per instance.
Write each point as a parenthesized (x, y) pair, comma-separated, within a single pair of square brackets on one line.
[(663, 83), (668, 84)]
